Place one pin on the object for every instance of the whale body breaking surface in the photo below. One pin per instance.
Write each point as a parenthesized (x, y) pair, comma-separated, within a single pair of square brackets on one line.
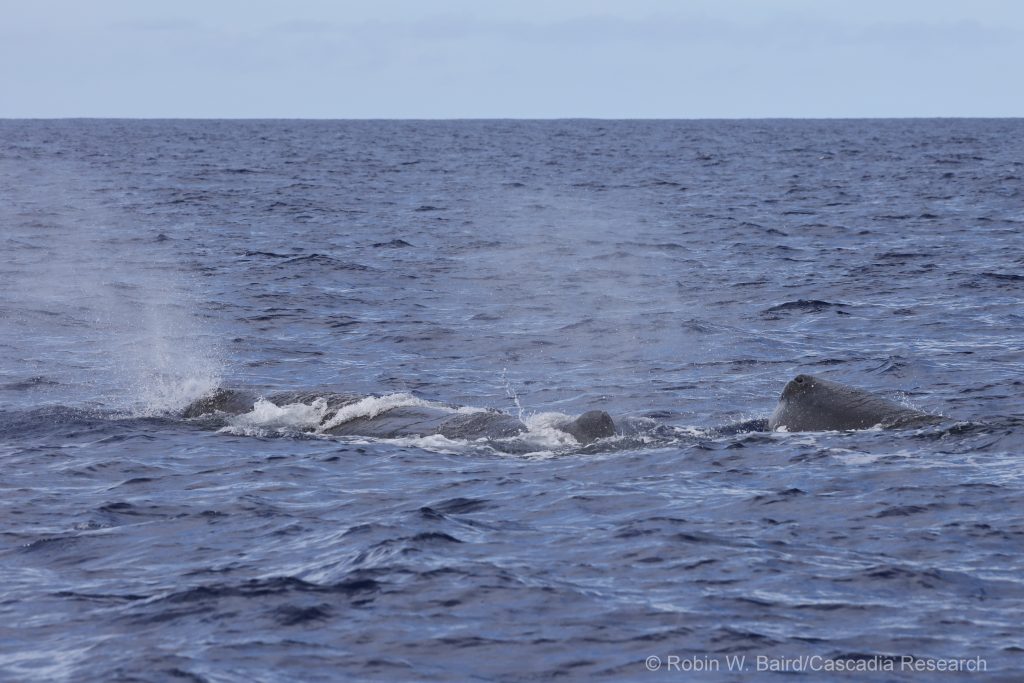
[(807, 404), (387, 417), (812, 404)]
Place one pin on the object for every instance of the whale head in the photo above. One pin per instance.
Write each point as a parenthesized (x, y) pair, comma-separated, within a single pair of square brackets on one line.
[(590, 426), (812, 404), (801, 385)]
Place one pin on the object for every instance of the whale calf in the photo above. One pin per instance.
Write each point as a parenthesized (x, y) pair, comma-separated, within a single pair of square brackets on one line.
[(418, 418), (812, 404)]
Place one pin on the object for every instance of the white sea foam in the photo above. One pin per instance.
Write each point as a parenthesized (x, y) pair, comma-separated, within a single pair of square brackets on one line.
[(266, 418), (542, 431), (266, 414), (372, 406)]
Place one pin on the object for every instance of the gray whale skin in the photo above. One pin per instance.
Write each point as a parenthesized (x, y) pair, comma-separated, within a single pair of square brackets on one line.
[(807, 404), (403, 421), (812, 404)]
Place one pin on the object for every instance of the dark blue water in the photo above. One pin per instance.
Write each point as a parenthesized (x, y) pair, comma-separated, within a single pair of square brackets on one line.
[(682, 271)]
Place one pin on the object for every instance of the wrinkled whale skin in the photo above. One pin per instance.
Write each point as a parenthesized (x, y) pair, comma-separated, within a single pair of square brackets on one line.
[(812, 404)]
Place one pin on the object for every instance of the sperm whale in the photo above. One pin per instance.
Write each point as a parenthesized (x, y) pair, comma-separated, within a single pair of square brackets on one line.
[(353, 415), (807, 404), (812, 404)]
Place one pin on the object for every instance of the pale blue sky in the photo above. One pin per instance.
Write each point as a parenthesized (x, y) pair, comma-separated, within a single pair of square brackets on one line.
[(528, 58)]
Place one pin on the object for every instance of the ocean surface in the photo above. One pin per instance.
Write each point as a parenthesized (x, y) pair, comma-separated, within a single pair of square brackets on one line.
[(681, 271)]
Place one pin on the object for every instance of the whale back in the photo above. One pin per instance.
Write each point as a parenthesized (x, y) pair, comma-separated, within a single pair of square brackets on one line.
[(334, 400), (812, 404), (400, 421), (486, 423), (590, 426), (394, 423), (229, 401)]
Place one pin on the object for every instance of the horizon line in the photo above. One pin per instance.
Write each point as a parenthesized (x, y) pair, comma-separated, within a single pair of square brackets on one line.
[(507, 118)]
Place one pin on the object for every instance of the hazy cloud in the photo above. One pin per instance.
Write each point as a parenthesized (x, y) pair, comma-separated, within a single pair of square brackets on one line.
[(455, 58), (157, 25)]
